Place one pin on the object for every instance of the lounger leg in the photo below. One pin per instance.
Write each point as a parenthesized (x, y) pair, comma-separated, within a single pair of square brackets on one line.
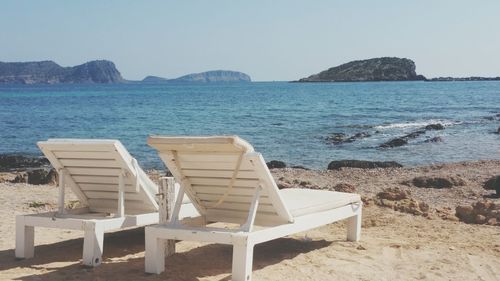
[(242, 261), (25, 239), (93, 244), (354, 226), (154, 256)]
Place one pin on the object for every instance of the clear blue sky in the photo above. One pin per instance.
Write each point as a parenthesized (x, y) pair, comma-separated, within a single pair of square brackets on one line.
[(269, 40)]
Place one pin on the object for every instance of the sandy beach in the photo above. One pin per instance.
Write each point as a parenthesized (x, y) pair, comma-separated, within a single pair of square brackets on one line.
[(395, 245)]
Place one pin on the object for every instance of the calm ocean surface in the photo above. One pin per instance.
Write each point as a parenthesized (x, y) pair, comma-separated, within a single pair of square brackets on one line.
[(284, 121)]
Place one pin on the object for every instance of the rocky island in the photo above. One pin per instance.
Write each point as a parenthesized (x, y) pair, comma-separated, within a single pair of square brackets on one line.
[(214, 76), (376, 69), (49, 72)]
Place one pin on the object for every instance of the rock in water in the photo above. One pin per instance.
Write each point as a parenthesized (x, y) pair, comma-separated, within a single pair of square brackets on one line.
[(376, 69), (434, 127), (336, 165), (49, 72)]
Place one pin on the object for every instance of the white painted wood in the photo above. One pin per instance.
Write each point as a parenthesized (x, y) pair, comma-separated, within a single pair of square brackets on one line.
[(93, 243), (111, 180), (129, 196), (208, 178), (242, 261), (121, 195), (62, 186), (94, 171), (154, 255), (25, 239), (247, 227), (102, 155), (242, 174), (354, 226), (90, 163)]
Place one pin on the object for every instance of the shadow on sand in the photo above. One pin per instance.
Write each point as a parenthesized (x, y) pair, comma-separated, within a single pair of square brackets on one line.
[(124, 259)]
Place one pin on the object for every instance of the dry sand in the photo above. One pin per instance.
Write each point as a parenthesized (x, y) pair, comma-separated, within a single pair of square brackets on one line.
[(393, 246)]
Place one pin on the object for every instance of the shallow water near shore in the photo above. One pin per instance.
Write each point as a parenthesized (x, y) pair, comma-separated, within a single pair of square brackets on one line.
[(284, 121)]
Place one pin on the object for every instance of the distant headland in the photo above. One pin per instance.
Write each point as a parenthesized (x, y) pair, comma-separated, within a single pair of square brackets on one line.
[(380, 69), (376, 69), (49, 72), (97, 72)]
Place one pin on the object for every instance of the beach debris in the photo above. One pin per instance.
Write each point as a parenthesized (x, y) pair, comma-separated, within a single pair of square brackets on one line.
[(340, 138), (41, 176), (275, 164), (338, 164), (480, 212), (37, 204), (493, 184), (399, 200), (436, 182), (360, 247)]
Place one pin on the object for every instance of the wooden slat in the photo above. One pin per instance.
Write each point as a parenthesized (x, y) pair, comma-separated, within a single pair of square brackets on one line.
[(245, 165), (113, 195), (102, 179), (231, 198), (223, 182), (219, 173), (96, 163), (236, 190), (94, 171), (59, 146), (240, 217), (209, 157), (244, 207), (110, 206), (84, 155), (104, 187)]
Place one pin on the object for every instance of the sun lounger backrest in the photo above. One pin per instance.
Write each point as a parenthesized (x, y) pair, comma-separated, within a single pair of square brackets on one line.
[(220, 175), (92, 169)]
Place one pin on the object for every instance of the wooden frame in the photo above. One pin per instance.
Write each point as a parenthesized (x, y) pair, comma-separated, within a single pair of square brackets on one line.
[(112, 172), (278, 224)]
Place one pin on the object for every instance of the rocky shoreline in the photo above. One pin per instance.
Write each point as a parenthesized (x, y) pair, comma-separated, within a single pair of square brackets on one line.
[(465, 191)]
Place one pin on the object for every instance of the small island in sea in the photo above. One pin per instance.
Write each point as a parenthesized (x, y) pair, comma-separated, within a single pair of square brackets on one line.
[(204, 77), (376, 69)]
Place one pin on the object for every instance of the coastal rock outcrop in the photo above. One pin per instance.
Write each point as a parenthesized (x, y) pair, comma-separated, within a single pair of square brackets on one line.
[(376, 69), (436, 182), (340, 138), (481, 212), (214, 76), (338, 164), (49, 72), (275, 164), (399, 200), (12, 162), (400, 141), (493, 184)]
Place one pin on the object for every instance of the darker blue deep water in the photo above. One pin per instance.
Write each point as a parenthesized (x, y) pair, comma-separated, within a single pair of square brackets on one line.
[(284, 121)]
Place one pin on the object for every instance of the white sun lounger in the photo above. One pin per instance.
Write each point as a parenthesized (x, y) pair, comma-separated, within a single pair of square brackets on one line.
[(114, 191), (228, 182)]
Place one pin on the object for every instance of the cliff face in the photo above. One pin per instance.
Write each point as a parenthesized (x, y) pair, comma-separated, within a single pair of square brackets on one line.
[(215, 76), (49, 72), (377, 69)]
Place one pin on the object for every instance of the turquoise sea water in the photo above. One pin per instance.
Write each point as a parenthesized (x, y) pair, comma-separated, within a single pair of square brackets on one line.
[(284, 121)]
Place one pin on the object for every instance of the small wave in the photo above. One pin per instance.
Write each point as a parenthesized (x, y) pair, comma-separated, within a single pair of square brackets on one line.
[(445, 123)]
